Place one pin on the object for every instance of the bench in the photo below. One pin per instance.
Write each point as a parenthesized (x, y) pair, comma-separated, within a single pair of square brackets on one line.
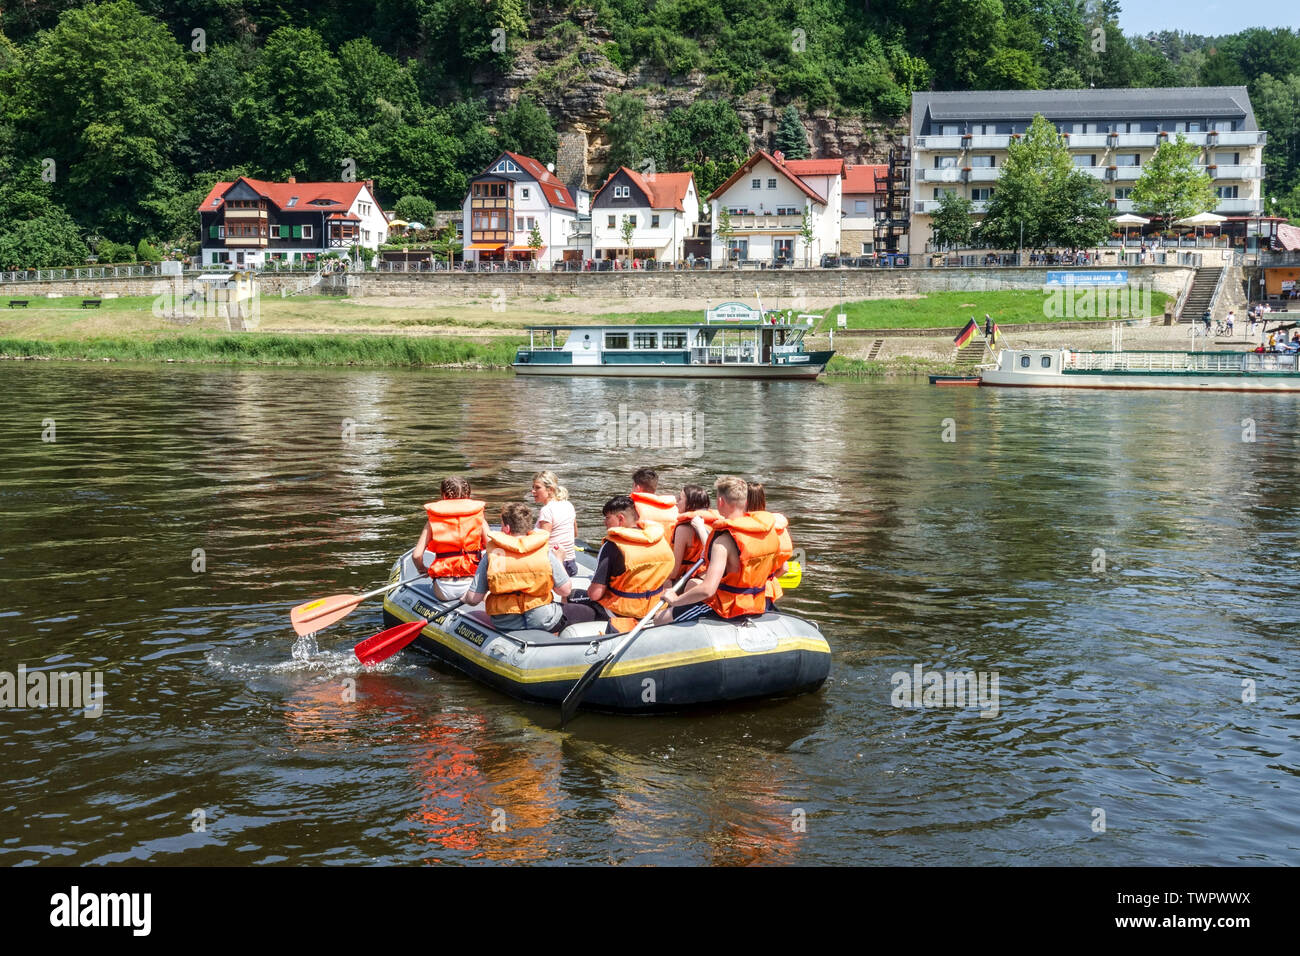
[(18, 303), (90, 303)]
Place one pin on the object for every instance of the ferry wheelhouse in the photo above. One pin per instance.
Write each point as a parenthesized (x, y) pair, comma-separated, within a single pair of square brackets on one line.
[(734, 341)]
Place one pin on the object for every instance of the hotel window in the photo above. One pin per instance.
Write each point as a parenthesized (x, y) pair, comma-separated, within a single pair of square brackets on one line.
[(982, 162), (771, 184), (654, 222), (645, 340), (615, 340), (1224, 126), (1226, 192), (1085, 159), (951, 130), (1194, 128), (945, 162), (1128, 159), (860, 207), (983, 194), (1227, 159), (941, 191), (756, 183), (1123, 192), (306, 232), (674, 340), (787, 211)]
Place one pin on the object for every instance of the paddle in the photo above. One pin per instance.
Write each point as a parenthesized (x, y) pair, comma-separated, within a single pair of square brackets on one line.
[(321, 613), (574, 697), (793, 575), (385, 644)]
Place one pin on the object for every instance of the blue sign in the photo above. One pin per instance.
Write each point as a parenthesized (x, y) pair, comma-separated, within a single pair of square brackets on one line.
[(1114, 277)]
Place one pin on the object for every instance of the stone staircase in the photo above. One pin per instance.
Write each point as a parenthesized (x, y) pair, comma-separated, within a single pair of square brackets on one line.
[(1201, 296), (972, 353), (876, 346)]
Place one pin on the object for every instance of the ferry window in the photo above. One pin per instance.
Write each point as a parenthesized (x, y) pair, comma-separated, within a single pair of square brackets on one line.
[(1024, 361), (615, 340), (645, 340), (1047, 361), (674, 340)]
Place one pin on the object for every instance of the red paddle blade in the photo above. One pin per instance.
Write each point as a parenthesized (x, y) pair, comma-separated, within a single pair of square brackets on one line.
[(321, 613), (387, 643)]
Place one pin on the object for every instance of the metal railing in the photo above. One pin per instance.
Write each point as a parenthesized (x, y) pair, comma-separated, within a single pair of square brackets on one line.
[(1181, 361), (82, 272)]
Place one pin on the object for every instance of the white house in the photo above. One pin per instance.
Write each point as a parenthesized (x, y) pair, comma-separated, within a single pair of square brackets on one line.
[(662, 209), (864, 187), (513, 197), (767, 198), (249, 223)]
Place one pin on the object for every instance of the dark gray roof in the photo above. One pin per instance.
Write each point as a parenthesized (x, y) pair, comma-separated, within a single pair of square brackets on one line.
[(1180, 102)]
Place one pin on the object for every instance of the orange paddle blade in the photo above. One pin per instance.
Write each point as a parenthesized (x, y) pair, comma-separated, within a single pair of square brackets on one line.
[(321, 613), (387, 643)]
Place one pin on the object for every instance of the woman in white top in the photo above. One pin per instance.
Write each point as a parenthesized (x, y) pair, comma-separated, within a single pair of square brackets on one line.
[(557, 517)]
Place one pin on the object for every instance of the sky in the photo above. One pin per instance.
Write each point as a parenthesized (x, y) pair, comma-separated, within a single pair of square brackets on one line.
[(1207, 17)]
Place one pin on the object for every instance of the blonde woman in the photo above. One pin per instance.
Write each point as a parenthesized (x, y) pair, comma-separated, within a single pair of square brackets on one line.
[(557, 517)]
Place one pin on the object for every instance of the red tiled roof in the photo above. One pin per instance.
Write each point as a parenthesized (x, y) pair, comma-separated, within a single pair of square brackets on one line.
[(864, 178), (663, 190), (280, 193), (1289, 237), (815, 167), (784, 169), (553, 191)]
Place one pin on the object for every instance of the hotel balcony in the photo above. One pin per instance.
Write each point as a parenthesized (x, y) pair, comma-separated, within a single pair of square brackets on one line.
[(1088, 140), (246, 242), (1238, 207), (1256, 137), (1124, 174), (1096, 172), (984, 174), (1118, 206), (1236, 172), (946, 174), (928, 207), (245, 215), (989, 142)]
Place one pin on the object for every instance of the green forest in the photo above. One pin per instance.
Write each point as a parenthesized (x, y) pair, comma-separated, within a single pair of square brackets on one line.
[(117, 117)]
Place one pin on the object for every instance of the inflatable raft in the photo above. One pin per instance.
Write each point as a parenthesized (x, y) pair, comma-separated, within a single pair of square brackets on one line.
[(667, 667)]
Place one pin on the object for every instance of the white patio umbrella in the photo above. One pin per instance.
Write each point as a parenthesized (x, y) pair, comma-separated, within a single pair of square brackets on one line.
[(1126, 220), (1200, 220)]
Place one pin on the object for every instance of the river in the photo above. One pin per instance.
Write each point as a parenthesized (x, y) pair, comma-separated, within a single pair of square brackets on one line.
[(1125, 564)]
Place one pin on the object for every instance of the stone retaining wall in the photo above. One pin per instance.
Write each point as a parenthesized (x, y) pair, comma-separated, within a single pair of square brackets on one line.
[(716, 285)]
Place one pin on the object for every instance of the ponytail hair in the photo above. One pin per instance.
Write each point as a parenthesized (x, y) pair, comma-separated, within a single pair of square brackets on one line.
[(552, 484), (456, 488)]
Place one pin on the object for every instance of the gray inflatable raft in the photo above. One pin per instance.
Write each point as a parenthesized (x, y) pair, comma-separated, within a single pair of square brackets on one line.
[(667, 667)]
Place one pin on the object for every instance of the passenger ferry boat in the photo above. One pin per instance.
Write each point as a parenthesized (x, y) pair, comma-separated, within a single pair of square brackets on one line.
[(1196, 371), (734, 341)]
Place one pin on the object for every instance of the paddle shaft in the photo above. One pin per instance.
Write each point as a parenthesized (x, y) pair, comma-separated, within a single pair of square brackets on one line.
[(574, 697)]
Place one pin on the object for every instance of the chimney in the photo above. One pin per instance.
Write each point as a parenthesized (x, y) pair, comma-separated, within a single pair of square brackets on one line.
[(370, 186), (779, 157), (293, 180)]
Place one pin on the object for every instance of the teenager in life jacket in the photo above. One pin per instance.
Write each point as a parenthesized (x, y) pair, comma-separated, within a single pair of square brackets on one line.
[(517, 575), (649, 505), (743, 551), (632, 569), (756, 504), (451, 542), (695, 521)]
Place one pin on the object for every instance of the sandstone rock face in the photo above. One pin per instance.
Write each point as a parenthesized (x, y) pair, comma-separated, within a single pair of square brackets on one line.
[(567, 74)]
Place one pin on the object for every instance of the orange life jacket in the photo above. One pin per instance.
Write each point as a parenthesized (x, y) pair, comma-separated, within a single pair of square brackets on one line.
[(757, 541), (694, 548), (455, 537), (784, 554), (658, 508), (648, 561), (519, 572)]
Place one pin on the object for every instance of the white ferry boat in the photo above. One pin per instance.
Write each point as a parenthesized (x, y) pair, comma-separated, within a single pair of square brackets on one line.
[(734, 341), (1195, 371)]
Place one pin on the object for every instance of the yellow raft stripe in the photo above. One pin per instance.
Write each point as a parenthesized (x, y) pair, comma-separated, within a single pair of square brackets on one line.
[(621, 669)]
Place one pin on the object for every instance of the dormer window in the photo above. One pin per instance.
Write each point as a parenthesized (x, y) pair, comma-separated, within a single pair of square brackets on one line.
[(622, 192), (293, 201)]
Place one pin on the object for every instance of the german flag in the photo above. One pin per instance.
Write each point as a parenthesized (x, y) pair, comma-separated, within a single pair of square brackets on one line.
[(997, 334), (964, 335)]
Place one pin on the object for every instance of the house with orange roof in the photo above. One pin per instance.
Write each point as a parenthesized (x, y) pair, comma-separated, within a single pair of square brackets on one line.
[(510, 199), (662, 209), (252, 223), (864, 186), (767, 198)]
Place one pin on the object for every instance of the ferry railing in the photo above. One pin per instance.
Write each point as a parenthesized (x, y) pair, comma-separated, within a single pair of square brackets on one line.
[(1181, 361)]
